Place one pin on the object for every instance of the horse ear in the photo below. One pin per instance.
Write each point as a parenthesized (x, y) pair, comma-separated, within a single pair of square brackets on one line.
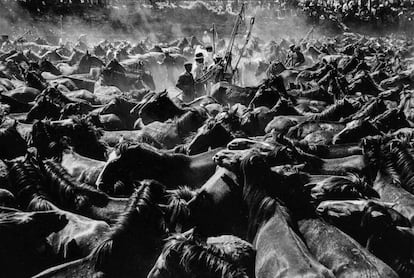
[(164, 93)]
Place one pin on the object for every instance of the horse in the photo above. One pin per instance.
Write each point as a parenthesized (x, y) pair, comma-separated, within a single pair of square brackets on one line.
[(347, 215), (340, 188), (140, 161), (79, 237), (390, 120), (51, 138), (354, 131), (214, 211), (212, 134), (157, 107), (367, 221), (83, 169), (370, 109), (124, 81), (47, 104), (280, 155), (311, 229), (341, 109), (43, 108), (77, 197), (121, 107), (332, 247), (23, 94), (46, 66), (24, 248), (185, 255), (173, 132), (87, 62), (132, 245), (389, 242), (279, 250), (226, 93), (12, 144)]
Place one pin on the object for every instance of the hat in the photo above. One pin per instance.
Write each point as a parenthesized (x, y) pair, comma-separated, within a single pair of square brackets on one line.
[(209, 47), (4, 37), (291, 46), (186, 64)]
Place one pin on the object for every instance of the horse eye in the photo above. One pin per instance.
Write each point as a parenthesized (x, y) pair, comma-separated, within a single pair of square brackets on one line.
[(203, 195)]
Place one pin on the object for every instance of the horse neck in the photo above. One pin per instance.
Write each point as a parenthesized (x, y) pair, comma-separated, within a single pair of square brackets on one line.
[(110, 212), (335, 165), (343, 150), (176, 110), (263, 212), (78, 268), (200, 167), (187, 123), (381, 181)]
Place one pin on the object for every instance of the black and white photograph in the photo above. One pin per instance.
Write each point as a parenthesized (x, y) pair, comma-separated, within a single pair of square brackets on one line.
[(206, 138)]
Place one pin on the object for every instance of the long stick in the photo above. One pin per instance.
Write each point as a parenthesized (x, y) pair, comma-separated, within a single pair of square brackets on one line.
[(21, 37), (233, 36), (214, 39), (307, 35), (245, 43)]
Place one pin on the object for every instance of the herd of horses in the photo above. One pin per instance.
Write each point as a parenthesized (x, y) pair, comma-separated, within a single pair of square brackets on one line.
[(308, 174)]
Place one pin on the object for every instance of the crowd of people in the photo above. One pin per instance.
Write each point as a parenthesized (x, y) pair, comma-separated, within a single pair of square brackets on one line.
[(380, 12)]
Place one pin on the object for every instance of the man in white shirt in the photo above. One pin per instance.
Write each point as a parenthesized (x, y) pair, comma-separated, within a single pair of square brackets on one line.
[(198, 72)]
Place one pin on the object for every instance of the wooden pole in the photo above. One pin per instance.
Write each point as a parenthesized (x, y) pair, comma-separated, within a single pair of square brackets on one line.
[(214, 39)]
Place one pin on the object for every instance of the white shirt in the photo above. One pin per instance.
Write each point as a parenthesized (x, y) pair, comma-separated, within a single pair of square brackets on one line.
[(198, 70)]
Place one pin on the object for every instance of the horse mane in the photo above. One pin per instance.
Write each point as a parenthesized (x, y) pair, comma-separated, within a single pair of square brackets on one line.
[(47, 141), (177, 210), (195, 256), (376, 150), (368, 109), (9, 131), (402, 158), (386, 228), (384, 114), (68, 191), (57, 96), (380, 121), (233, 127), (86, 138), (146, 138), (333, 111), (11, 221), (349, 187), (317, 150), (232, 123), (187, 119), (133, 225), (311, 161), (260, 204), (27, 182)]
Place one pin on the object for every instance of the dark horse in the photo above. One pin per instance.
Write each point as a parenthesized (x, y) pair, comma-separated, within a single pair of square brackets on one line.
[(133, 244), (142, 161), (24, 250), (50, 138), (186, 255)]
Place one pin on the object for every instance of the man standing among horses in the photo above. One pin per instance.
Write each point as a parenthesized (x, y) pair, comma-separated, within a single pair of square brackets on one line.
[(299, 57), (198, 72), (186, 83), (290, 56)]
